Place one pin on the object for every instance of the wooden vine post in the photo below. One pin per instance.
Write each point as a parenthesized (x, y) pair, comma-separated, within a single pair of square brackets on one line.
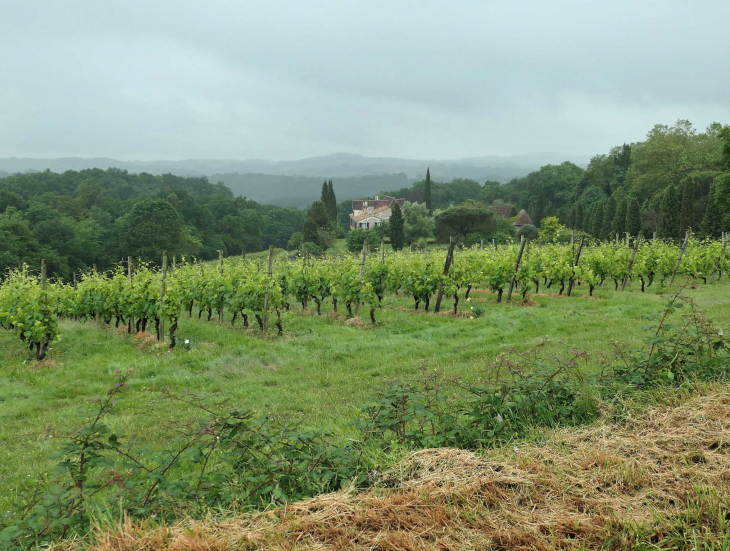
[(268, 280), (447, 265), (679, 258), (129, 275), (382, 249), (631, 261), (220, 271), (575, 263), (718, 266), (517, 267), (572, 242), (43, 274), (362, 270), (161, 335)]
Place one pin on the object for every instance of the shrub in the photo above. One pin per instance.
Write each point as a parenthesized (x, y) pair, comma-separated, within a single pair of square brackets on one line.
[(257, 461), (295, 241), (355, 238), (550, 229), (461, 220), (673, 352), (529, 231), (314, 249)]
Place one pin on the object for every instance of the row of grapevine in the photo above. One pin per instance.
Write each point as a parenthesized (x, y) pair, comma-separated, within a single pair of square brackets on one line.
[(241, 289)]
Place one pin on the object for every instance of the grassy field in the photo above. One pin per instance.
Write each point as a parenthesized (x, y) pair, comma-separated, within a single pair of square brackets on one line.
[(318, 371), (656, 482)]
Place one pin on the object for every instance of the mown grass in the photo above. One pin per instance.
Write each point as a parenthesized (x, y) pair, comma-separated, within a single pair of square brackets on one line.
[(318, 371)]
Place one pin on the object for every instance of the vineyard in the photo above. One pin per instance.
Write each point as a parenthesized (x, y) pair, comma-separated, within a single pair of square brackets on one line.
[(138, 295)]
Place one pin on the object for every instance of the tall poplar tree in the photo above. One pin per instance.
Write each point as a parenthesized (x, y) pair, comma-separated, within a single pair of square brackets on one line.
[(608, 214), (333, 202), (618, 226), (668, 227), (712, 221), (633, 216), (597, 226), (687, 208), (427, 192)]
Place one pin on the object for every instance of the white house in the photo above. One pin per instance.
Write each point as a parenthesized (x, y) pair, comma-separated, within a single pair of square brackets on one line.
[(369, 213)]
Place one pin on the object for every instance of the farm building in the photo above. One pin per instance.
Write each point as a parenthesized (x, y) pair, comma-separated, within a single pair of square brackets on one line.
[(522, 219), (503, 211), (369, 213)]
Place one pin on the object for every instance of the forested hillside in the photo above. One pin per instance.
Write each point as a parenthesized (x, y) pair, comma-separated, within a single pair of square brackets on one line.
[(676, 179), (77, 220), (300, 191), (662, 184)]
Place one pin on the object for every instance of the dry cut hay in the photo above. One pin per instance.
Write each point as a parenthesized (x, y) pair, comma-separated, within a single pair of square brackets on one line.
[(576, 489)]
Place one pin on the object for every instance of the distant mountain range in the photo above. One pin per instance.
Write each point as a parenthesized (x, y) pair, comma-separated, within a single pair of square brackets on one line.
[(337, 165), (298, 183)]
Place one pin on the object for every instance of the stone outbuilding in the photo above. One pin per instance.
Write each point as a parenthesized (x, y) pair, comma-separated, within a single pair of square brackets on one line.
[(522, 219)]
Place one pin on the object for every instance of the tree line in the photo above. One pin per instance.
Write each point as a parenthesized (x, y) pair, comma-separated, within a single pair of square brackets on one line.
[(676, 179), (77, 220)]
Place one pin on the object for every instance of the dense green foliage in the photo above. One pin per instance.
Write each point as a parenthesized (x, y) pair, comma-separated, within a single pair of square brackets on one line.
[(396, 227), (427, 197), (418, 225), (461, 220), (33, 312), (669, 176), (94, 217)]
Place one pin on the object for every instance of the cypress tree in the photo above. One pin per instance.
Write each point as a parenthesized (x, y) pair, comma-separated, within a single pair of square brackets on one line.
[(537, 208), (668, 227), (608, 213), (598, 214), (633, 216), (396, 223), (427, 192), (687, 208), (588, 219), (618, 226), (325, 194), (712, 221), (333, 202), (580, 217)]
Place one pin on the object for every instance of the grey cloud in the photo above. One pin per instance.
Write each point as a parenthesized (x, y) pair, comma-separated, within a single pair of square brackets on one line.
[(164, 79)]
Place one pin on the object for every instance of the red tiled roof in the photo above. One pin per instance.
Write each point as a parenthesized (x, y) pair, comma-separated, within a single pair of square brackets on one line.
[(502, 210), (368, 214), (523, 218), (362, 204)]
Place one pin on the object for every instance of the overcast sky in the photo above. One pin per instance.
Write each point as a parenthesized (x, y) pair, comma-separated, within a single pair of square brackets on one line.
[(159, 79)]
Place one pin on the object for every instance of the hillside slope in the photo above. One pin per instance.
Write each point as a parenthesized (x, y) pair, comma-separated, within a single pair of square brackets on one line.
[(661, 480)]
